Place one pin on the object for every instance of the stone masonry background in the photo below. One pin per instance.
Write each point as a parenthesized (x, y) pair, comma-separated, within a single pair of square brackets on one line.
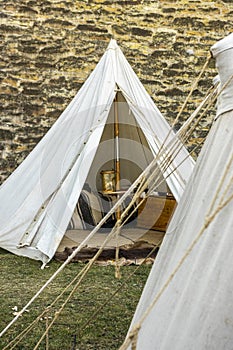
[(49, 48)]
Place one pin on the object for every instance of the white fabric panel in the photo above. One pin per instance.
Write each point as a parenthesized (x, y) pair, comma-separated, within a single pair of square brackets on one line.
[(195, 308), (36, 201), (223, 50), (61, 207), (35, 180), (191, 313)]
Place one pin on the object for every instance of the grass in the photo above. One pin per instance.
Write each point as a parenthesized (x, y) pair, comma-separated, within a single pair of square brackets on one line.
[(77, 326)]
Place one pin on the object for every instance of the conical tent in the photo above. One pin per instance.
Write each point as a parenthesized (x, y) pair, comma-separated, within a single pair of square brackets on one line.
[(38, 199), (187, 301)]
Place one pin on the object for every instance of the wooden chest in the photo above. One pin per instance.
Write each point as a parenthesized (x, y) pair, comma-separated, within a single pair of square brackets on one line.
[(155, 212)]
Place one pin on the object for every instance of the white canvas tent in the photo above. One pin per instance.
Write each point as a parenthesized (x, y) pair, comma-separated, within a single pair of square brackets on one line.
[(38, 199), (187, 302)]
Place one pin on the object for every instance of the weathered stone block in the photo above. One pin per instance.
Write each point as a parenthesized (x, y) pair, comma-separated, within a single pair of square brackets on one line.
[(91, 28), (141, 32), (6, 134)]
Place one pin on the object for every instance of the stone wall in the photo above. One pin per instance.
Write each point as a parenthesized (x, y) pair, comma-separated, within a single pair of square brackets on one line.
[(49, 47)]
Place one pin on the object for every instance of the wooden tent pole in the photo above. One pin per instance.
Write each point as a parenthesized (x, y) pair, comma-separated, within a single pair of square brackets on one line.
[(117, 155), (117, 179)]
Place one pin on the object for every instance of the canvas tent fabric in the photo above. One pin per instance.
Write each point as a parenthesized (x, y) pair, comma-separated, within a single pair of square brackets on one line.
[(38, 199), (187, 302), (223, 49)]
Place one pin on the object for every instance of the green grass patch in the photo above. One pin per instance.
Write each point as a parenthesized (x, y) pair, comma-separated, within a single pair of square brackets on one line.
[(92, 319)]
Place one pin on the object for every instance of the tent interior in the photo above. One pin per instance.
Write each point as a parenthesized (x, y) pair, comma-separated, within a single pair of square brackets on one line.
[(122, 155), (134, 152)]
